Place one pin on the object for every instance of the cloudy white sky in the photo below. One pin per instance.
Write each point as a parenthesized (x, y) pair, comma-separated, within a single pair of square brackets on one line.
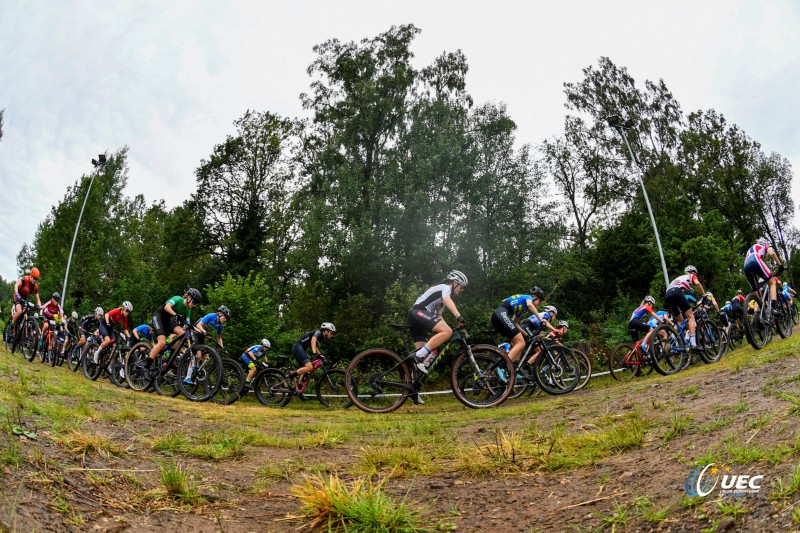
[(168, 78)]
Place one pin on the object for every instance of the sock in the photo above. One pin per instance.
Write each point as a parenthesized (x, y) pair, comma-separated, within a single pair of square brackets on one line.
[(423, 352), (190, 372), (693, 340)]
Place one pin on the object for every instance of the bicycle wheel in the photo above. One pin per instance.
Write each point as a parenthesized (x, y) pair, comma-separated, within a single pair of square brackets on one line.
[(477, 381), (783, 320), (585, 368), (137, 376), (272, 387), (709, 338), (522, 381), (378, 381), (624, 368), (232, 386), (116, 369), (91, 369), (166, 383), (331, 391), (795, 313), (757, 329), (206, 376), (7, 340), (668, 352), (74, 358), (557, 370)]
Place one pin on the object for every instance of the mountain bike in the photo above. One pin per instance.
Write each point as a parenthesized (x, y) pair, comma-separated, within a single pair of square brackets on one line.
[(167, 372), (273, 387), (379, 380), (27, 329), (708, 337), (232, 386), (107, 361), (668, 348), (626, 361), (556, 369)]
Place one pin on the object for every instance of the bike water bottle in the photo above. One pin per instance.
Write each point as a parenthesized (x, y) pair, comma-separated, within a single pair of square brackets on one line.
[(431, 358)]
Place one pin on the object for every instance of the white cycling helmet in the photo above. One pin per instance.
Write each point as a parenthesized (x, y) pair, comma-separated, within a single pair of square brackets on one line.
[(99, 311), (762, 241), (649, 300), (458, 277), (728, 302), (127, 306), (328, 326), (785, 283), (691, 269), (563, 324), (709, 294), (550, 309), (75, 315), (265, 343)]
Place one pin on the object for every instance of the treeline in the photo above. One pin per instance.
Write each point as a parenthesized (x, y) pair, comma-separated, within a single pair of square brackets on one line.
[(400, 176)]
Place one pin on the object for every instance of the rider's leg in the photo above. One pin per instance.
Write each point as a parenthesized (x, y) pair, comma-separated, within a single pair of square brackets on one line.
[(17, 312), (517, 344), (534, 355), (692, 325)]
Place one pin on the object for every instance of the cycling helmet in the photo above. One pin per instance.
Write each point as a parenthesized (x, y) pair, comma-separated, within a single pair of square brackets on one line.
[(57, 296), (36, 316), (728, 302), (691, 268), (225, 311), (709, 294), (127, 306), (35, 273), (762, 241), (195, 295), (649, 300), (536, 291), (265, 343), (550, 309), (563, 324), (99, 311), (328, 326), (458, 277), (75, 315), (785, 283), (739, 291)]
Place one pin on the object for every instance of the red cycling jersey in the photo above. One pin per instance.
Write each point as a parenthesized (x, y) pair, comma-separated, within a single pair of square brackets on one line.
[(52, 308), (28, 286), (115, 316)]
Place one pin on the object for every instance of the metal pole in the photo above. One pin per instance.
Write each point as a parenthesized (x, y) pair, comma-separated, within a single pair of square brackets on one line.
[(635, 163), (74, 237)]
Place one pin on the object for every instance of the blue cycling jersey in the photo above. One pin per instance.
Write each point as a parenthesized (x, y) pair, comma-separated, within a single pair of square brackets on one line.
[(535, 321), (256, 350), (653, 322), (212, 321), (144, 332), (518, 303)]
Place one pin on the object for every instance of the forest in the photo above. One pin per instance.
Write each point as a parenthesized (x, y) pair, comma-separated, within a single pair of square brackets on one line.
[(399, 176)]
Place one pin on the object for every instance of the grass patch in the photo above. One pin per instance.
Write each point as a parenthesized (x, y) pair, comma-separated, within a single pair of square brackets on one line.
[(692, 390), (124, 414), (715, 424), (733, 510), (84, 444), (785, 488), (333, 505), (504, 457), (326, 438), (171, 442), (179, 484), (679, 424), (401, 461)]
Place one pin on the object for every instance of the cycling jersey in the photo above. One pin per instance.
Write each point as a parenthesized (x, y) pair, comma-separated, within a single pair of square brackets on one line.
[(517, 304), (535, 321), (786, 292), (89, 323), (641, 311), (757, 251), (115, 316), (305, 340), (28, 286), (726, 308), (653, 322), (179, 306), (51, 309), (685, 282), (256, 351), (143, 331), (212, 321), (432, 300), (738, 297)]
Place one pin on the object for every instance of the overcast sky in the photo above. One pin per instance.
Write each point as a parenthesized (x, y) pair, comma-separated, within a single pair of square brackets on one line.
[(168, 78)]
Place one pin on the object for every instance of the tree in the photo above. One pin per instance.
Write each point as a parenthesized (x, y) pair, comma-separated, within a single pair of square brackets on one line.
[(244, 196)]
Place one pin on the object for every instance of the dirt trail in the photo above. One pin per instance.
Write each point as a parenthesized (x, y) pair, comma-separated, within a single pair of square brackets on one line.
[(731, 411)]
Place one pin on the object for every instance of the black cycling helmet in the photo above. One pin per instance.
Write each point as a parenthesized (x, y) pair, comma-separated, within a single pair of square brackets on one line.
[(225, 311), (536, 291), (195, 295), (57, 296)]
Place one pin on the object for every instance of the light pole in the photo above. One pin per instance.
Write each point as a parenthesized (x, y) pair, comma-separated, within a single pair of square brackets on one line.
[(99, 162), (615, 121)]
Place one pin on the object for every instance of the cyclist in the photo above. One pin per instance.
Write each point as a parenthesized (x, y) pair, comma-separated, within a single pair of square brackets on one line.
[(675, 300), (115, 316), (23, 288), (141, 333), (50, 310), (250, 358), (724, 316), (560, 332), (708, 301), (533, 326), (310, 341), (505, 318), (215, 321), (426, 316), (72, 328), (755, 268), (169, 318), (788, 292), (637, 324)]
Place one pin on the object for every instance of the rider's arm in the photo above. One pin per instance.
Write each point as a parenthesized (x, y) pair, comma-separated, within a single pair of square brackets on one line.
[(535, 312), (219, 340), (449, 304), (774, 255), (656, 316), (168, 309), (314, 348)]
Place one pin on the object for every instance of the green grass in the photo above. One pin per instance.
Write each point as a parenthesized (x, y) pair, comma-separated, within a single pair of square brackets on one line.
[(786, 488), (679, 424), (400, 461), (179, 484)]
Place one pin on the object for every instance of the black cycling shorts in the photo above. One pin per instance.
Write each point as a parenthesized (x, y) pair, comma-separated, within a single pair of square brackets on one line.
[(736, 309), (502, 322), (300, 354), (422, 322), (675, 301), (635, 326), (105, 329), (163, 323)]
